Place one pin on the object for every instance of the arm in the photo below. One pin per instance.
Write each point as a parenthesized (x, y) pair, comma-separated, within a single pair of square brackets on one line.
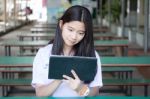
[(78, 85), (97, 83), (47, 90), (39, 77), (84, 90)]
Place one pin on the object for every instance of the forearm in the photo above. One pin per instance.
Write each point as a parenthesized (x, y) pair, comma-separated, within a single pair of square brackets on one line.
[(84, 90), (47, 90)]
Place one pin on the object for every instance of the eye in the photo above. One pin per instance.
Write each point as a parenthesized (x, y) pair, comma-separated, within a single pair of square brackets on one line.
[(70, 30), (81, 33)]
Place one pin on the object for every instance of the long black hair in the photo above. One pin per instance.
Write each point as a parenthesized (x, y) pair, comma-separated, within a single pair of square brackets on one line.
[(86, 46)]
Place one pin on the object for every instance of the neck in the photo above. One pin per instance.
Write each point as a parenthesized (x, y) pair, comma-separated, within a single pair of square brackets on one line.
[(67, 51)]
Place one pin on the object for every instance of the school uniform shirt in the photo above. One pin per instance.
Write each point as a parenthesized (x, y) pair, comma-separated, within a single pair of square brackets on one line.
[(40, 73)]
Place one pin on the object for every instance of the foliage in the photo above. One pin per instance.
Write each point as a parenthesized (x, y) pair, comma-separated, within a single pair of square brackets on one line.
[(115, 10)]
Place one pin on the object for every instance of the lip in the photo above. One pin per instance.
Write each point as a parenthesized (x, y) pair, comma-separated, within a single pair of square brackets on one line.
[(73, 42)]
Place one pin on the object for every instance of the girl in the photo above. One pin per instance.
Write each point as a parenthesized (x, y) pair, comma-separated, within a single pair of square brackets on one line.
[(74, 37)]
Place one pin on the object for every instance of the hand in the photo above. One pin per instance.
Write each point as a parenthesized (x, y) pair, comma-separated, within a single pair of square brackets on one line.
[(73, 83), (58, 81)]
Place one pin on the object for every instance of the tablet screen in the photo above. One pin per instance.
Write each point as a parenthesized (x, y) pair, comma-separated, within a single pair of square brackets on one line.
[(85, 67)]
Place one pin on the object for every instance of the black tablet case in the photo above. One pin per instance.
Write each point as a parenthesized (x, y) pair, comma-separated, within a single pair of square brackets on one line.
[(85, 67)]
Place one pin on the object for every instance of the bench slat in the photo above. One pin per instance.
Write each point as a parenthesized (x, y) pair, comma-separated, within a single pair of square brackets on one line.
[(15, 82)]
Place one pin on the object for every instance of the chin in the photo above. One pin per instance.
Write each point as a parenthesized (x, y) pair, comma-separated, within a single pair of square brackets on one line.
[(69, 45)]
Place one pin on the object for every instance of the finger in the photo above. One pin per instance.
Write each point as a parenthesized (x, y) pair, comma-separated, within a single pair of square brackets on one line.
[(74, 74), (67, 77)]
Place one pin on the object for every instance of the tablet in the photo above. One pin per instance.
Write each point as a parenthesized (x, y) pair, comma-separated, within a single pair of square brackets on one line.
[(85, 67)]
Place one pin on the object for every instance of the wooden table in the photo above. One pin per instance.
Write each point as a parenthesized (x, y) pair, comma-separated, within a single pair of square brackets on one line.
[(14, 43), (41, 30), (97, 28), (35, 35), (9, 63), (137, 61), (134, 61), (44, 26), (120, 44), (97, 36)]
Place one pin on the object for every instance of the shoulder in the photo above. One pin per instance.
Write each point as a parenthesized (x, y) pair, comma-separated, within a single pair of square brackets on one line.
[(43, 53), (97, 54), (46, 50)]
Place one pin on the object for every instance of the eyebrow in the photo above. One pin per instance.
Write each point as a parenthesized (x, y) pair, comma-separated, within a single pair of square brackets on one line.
[(78, 30)]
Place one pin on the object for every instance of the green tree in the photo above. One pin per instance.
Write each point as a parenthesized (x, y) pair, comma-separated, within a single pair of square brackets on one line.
[(115, 10)]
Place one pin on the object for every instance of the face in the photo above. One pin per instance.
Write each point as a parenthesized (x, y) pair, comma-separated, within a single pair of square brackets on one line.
[(72, 33)]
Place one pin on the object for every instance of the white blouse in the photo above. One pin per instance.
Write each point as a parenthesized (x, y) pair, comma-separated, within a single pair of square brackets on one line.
[(40, 73)]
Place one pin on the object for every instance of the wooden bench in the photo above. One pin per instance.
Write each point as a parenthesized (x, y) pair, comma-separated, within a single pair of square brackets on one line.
[(120, 72), (106, 82), (16, 70), (8, 83), (15, 82), (128, 82), (23, 62), (10, 77), (42, 30), (119, 46), (49, 36), (36, 36), (116, 44)]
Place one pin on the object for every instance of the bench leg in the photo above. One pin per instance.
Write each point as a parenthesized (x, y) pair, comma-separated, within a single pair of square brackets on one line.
[(127, 89), (146, 90), (4, 88), (129, 76)]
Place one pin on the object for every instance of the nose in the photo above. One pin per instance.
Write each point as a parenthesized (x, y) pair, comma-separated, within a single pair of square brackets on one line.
[(74, 36)]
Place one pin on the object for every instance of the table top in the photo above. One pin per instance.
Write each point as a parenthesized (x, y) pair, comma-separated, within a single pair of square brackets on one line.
[(126, 61), (27, 61), (45, 42), (52, 34), (15, 61), (42, 30), (111, 42)]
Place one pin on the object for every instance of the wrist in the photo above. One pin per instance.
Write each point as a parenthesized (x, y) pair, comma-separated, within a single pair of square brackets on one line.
[(83, 90), (79, 87)]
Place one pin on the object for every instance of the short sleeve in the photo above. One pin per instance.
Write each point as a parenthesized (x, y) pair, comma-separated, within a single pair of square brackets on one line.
[(40, 68), (98, 77)]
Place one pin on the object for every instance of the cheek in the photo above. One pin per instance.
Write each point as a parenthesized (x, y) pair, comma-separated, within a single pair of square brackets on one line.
[(65, 32), (81, 37)]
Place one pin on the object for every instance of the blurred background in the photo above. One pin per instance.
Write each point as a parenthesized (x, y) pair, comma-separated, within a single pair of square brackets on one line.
[(121, 35)]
